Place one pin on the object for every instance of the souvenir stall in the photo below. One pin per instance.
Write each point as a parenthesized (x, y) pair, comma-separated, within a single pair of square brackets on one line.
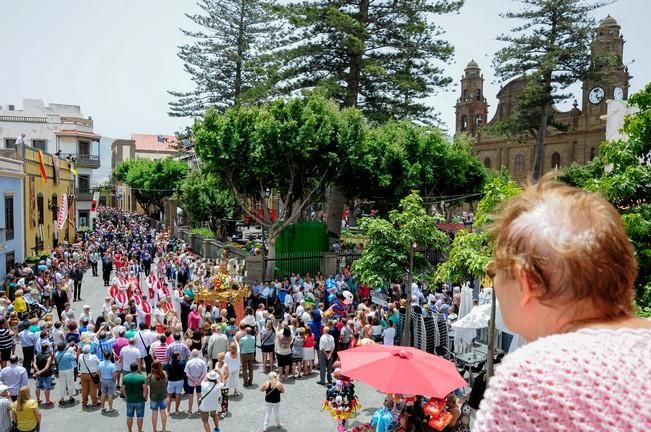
[(417, 386)]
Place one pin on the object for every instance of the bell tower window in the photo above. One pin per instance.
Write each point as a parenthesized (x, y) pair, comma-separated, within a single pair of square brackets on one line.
[(556, 160), (519, 164), (464, 122)]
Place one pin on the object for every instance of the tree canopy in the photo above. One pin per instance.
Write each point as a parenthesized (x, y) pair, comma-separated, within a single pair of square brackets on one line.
[(386, 255), (206, 199), (151, 181), (399, 157), (293, 147), (472, 250)]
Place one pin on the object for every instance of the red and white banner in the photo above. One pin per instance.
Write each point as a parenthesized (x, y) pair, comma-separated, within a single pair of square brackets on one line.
[(63, 212), (93, 208)]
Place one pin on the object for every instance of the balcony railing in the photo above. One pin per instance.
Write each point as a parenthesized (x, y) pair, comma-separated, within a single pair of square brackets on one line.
[(84, 195), (84, 160)]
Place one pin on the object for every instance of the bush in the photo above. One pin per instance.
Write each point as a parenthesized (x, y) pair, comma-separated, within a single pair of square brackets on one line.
[(203, 232)]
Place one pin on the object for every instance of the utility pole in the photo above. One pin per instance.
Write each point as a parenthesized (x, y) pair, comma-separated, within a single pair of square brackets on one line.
[(405, 340)]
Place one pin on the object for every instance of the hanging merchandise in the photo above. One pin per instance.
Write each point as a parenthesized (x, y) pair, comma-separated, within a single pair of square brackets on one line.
[(341, 402)]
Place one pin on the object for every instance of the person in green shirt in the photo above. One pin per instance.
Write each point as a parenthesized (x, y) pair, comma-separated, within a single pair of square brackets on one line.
[(131, 332), (134, 386)]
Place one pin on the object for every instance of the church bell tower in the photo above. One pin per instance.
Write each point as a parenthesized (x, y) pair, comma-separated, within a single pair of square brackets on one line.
[(471, 108)]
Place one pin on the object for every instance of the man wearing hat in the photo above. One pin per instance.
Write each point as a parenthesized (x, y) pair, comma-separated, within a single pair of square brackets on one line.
[(211, 399)]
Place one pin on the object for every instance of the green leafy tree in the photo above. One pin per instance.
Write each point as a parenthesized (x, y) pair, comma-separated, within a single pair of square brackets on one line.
[(222, 61), (399, 157), (472, 250), (622, 173), (151, 181), (206, 200), (389, 254), (550, 48), (293, 147)]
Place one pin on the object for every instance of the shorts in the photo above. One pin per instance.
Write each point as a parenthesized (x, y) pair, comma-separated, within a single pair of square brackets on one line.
[(297, 359), (118, 366), (107, 387), (263, 348), (5, 354), (175, 387), (135, 409), (157, 405), (205, 415), (192, 389), (284, 360), (44, 382)]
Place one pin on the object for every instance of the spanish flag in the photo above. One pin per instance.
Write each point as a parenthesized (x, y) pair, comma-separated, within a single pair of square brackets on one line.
[(42, 166)]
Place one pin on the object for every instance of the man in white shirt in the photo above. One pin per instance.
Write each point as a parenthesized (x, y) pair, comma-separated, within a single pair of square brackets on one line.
[(326, 351), (300, 309), (195, 371), (144, 338), (130, 354), (211, 389), (217, 343), (389, 334), (289, 301)]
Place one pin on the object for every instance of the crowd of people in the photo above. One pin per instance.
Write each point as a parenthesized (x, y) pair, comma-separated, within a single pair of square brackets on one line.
[(154, 340)]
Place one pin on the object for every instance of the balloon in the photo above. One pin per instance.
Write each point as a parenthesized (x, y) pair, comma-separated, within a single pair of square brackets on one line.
[(439, 423)]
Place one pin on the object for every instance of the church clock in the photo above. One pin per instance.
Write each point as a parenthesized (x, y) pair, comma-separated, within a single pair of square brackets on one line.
[(618, 93), (596, 95)]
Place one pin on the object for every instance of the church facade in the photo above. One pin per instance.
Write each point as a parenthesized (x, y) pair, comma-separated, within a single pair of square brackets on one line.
[(585, 127)]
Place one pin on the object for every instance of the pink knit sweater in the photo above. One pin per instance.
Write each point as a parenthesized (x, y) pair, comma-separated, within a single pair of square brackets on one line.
[(591, 380)]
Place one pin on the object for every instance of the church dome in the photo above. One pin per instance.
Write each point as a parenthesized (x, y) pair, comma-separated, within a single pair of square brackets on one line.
[(472, 65), (608, 22)]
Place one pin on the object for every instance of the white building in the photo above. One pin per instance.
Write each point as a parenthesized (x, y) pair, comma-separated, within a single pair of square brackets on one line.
[(56, 128)]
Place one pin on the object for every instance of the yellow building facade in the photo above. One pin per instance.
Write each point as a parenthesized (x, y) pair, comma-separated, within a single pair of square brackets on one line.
[(42, 201)]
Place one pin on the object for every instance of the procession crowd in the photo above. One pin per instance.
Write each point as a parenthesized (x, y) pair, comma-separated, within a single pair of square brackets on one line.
[(154, 340)]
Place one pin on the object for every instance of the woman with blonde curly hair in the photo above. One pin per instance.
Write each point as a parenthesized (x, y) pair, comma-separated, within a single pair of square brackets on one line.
[(564, 274)]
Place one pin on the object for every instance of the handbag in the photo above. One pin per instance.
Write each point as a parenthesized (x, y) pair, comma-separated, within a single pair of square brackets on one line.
[(94, 376)]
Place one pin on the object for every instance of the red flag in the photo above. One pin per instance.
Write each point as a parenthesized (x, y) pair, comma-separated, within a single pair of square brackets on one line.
[(42, 166)]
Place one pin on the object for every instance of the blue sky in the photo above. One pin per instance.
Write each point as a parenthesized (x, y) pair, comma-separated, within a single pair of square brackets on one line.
[(118, 58)]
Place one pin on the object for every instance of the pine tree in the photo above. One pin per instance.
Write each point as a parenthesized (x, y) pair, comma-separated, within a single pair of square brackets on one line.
[(377, 55), (550, 47), (222, 59)]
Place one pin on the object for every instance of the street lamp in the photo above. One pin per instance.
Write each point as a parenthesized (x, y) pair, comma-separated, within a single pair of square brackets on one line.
[(405, 340), (267, 194)]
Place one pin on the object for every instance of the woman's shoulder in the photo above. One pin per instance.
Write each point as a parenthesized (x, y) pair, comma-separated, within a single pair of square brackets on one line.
[(585, 345), (584, 372)]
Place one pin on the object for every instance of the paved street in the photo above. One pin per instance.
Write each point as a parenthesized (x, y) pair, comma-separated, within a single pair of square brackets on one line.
[(300, 407)]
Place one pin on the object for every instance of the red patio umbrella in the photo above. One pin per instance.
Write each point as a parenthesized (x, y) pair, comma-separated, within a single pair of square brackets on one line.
[(397, 369)]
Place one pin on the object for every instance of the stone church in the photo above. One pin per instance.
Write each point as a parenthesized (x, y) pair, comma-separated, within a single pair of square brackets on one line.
[(586, 130)]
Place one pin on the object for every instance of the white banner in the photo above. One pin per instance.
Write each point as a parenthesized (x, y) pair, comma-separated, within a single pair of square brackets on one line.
[(63, 212)]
